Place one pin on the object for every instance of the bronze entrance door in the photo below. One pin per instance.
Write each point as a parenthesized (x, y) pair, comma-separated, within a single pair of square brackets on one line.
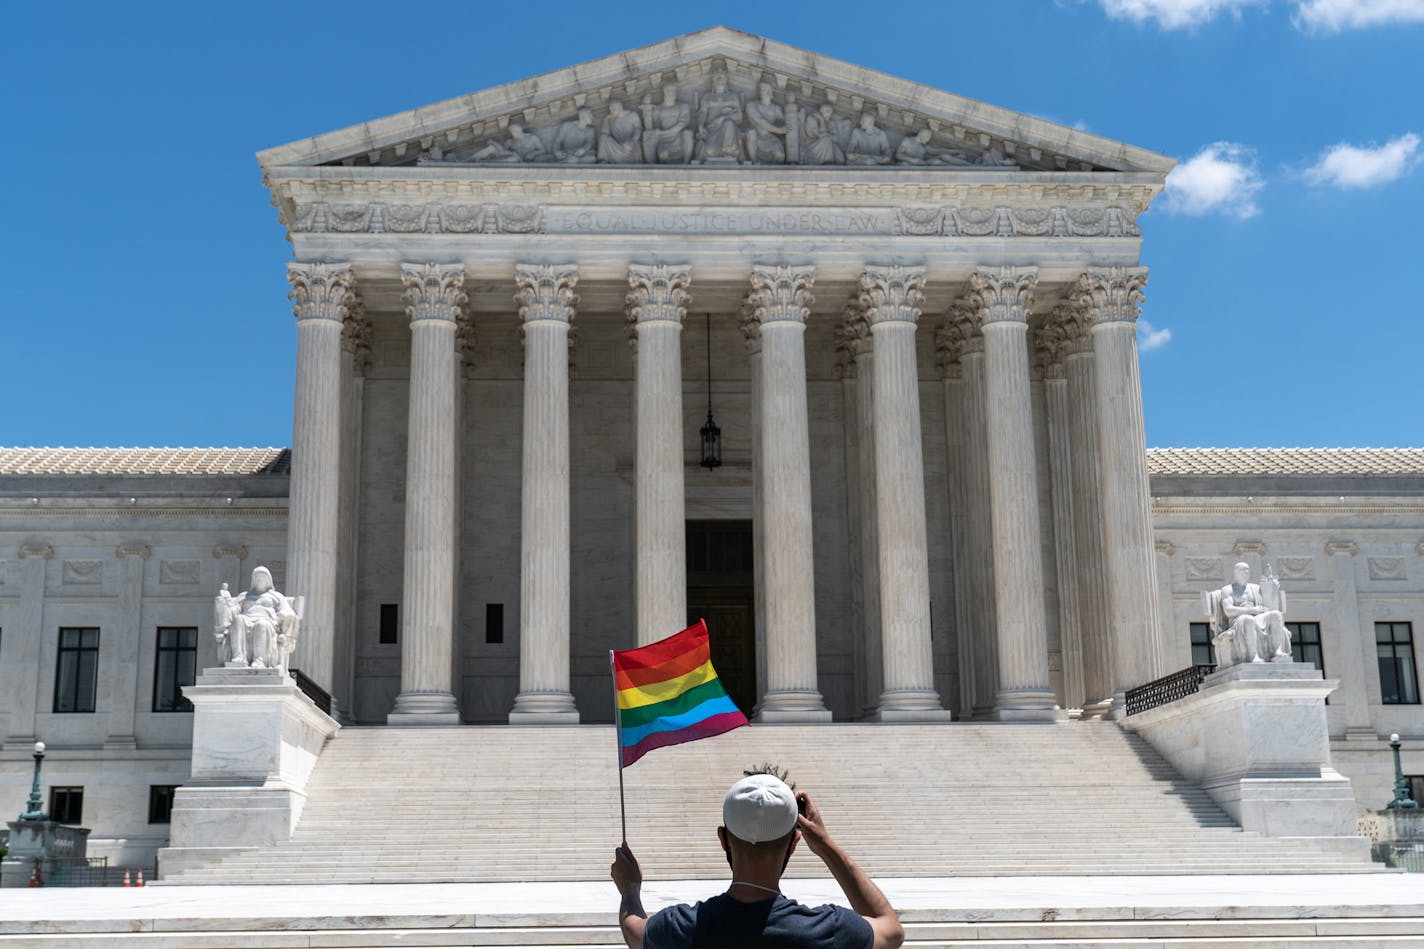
[(721, 590)]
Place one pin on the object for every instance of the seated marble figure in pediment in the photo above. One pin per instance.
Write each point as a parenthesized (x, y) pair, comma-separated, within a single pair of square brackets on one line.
[(719, 119)]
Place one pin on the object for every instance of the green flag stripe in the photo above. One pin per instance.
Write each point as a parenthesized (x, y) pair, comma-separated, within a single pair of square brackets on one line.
[(693, 697)]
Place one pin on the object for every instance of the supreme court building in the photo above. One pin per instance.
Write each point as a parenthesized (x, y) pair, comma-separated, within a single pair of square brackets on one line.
[(912, 317)]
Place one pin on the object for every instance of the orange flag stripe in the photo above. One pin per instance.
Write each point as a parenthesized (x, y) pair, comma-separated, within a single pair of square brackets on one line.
[(669, 669)]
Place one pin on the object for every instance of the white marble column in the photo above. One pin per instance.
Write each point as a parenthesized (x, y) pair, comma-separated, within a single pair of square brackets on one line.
[(323, 295), (434, 296), (949, 350), (356, 361), (857, 341), (20, 648), (1024, 693), (781, 297), (1098, 676), (126, 672), (751, 334), (978, 527), (1049, 341), (657, 302), (546, 307), (1356, 656), (890, 298), (1113, 297)]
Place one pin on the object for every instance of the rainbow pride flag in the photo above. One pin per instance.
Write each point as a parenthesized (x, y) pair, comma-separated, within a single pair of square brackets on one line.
[(668, 693)]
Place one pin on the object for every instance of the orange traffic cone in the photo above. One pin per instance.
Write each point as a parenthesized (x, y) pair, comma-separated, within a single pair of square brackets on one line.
[(140, 878), (126, 878), (35, 875)]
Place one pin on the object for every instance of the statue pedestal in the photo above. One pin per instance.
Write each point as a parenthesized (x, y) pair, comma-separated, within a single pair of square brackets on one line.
[(1255, 739), (41, 840), (256, 738)]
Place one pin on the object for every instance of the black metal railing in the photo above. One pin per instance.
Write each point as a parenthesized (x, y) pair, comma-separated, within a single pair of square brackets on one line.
[(316, 693), (1169, 688)]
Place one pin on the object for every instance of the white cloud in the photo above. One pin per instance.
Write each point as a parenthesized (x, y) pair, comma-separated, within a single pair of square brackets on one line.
[(1222, 178), (1150, 337), (1175, 14), (1348, 166), (1332, 16)]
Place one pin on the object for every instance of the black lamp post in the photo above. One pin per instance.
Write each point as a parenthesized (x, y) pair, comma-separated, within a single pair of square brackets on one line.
[(1402, 801), (711, 434)]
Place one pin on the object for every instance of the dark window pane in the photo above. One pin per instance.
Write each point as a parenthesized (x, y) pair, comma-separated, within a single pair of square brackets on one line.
[(494, 622), (1202, 654), (1395, 648), (160, 803), (66, 805), (390, 624), (1305, 644), (76, 669), (175, 665)]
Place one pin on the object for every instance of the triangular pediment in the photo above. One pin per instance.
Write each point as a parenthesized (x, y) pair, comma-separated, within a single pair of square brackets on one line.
[(718, 97)]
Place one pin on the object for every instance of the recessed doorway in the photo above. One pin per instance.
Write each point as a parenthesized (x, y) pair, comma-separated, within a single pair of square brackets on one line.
[(721, 589)]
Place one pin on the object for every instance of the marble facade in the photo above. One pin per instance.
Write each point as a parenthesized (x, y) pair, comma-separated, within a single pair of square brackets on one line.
[(923, 360)]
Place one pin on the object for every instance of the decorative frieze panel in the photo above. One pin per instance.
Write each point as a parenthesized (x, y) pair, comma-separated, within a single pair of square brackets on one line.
[(381, 218), (178, 572), (1388, 568), (83, 572), (1204, 568), (1295, 568)]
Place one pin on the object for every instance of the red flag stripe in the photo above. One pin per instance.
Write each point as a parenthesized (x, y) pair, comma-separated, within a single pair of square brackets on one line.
[(673, 668), (655, 654)]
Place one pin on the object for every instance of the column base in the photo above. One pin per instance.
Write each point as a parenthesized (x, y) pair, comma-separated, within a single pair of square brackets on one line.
[(424, 708), (792, 706), (910, 705), (1361, 733), (1027, 705), (1097, 709), (544, 708)]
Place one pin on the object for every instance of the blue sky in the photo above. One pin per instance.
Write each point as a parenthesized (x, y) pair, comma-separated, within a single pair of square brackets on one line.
[(143, 268)]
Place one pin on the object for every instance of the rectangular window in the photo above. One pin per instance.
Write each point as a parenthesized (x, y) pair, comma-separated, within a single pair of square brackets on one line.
[(494, 622), (66, 805), (1416, 786), (175, 665), (1202, 653), (1394, 644), (76, 674), (390, 624), (1305, 644), (160, 803)]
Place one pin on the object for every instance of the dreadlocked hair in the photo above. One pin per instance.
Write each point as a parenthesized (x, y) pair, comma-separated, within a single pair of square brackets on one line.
[(768, 767)]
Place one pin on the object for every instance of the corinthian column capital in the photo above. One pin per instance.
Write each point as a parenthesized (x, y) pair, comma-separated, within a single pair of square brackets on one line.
[(1113, 295), (433, 291), (1074, 319), (658, 293), (1050, 345), (892, 294), (546, 292), (751, 329), (321, 291), (1005, 292), (782, 294)]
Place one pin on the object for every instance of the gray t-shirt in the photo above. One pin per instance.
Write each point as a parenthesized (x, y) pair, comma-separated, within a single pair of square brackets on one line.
[(777, 922)]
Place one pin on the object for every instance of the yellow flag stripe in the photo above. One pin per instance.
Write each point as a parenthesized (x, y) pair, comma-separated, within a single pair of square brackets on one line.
[(667, 689)]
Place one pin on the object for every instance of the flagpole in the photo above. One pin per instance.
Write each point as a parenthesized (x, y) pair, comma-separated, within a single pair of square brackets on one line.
[(618, 741)]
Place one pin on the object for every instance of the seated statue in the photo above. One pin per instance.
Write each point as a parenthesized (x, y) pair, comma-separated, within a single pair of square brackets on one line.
[(258, 629), (766, 135), (576, 140), (819, 145), (620, 139), (868, 145), (667, 129), (1248, 620)]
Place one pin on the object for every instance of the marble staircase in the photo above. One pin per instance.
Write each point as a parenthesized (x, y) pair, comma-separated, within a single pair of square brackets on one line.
[(505, 804)]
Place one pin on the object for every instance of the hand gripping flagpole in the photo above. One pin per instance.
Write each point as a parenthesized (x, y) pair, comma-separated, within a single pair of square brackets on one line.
[(618, 743)]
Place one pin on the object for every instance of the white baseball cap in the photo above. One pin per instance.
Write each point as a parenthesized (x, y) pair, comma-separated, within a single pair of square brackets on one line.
[(758, 808)]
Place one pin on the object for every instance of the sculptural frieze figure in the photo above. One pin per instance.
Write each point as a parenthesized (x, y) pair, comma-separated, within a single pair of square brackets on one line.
[(620, 137), (719, 132), (869, 145), (257, 629), (667, 129), (819, 141), (576, 142), (917, 150), (766, 129), (1247, 620), (520, 147)]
